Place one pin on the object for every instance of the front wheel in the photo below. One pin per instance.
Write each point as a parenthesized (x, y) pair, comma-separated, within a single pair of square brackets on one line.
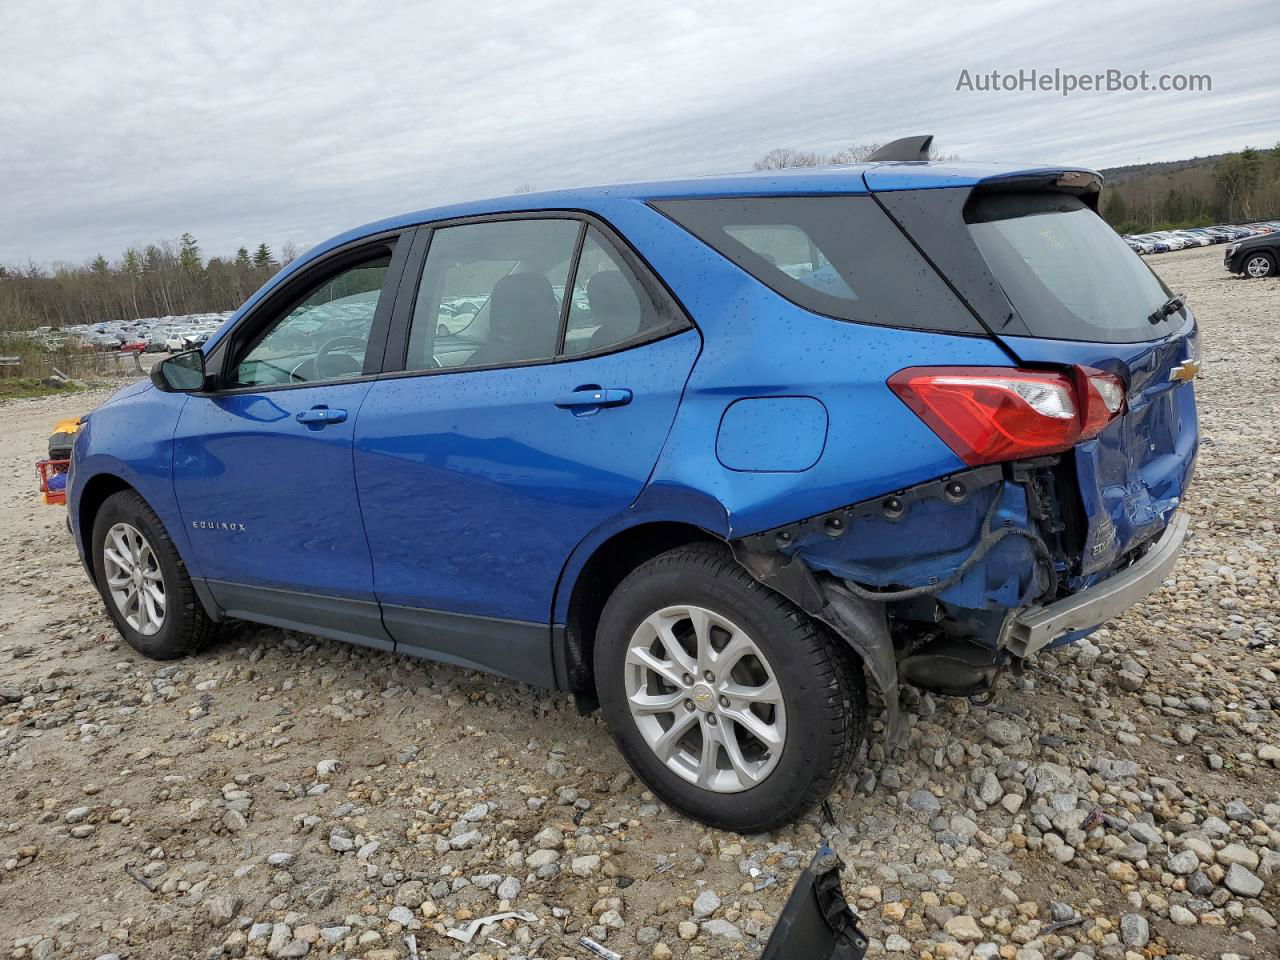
[(144, 582), (1259, 265), (729, 702)]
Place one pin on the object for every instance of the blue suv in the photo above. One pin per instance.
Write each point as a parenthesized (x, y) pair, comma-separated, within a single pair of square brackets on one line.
[(704, 453)]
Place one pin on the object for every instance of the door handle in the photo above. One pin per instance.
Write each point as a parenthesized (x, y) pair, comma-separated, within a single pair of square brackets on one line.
[(320, 415), (591, 396)]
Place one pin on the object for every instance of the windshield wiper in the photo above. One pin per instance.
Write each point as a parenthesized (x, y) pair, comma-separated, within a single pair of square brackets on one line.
[(1169, 308)]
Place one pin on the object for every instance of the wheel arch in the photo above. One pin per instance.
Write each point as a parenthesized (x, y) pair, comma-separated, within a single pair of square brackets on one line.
[(94, 494), (599, 563)]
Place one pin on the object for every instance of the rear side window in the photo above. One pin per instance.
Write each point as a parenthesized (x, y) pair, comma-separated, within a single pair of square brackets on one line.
[(838, 256), (610, 305), (1067, 273)]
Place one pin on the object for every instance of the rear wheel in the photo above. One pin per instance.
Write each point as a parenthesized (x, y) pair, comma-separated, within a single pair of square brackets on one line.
[(731, 704), (1260, 265), (144, 582)]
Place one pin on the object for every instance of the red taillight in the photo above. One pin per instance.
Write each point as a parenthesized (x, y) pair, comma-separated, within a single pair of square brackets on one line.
[(991, 414)]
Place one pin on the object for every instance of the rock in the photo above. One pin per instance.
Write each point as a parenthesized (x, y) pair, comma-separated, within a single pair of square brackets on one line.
[(549, 838), (1121, 872), (1238, 810), (660, 952), (688, 930), (465, 841), (221, 910), (1011, 802), (340, 840), (923, 801), (705, 904), (990, 790), (1242, 882), (402, 915), (1183, 863), (541, 858), (1145, 833), (896, 943), (477, 813), (509, 889), (78, 814), (1003, 732), (963, 928), (1270, 754), (410, 894), (722, 928), (1238, 853), (1182, 916), (279, 859), (1134, 930), (585, 866)]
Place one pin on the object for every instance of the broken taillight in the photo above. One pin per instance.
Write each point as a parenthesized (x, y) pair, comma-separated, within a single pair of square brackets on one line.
[(991, 414)]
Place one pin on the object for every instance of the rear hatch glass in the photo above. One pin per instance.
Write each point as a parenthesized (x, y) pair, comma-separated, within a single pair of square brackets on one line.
[(1086, 298), (1068, 274)]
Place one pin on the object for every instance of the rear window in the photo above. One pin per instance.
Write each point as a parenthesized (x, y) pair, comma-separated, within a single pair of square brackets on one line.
[(838, 256), (1067, 273)]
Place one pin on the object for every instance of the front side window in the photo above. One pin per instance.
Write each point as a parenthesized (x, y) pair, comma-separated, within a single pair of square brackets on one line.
[(836, 255), (322, 338), (492, 293)]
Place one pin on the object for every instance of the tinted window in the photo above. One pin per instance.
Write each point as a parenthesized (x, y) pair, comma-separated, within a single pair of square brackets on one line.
[(609, 304), (1066, 272), (839, 256), (491, 293), (324, 337)]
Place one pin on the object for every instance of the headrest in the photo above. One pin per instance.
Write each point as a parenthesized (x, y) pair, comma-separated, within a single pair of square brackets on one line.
[(523, 306), (612, 298)]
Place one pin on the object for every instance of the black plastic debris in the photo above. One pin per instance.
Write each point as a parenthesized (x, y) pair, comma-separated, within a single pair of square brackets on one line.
[(817, 922)]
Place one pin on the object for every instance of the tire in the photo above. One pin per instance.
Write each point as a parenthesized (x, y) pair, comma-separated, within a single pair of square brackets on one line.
[(183, 626), (1258, 265), (817, 715)]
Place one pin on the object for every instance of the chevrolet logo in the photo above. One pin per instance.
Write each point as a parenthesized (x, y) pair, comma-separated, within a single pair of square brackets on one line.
[(1185, 372)]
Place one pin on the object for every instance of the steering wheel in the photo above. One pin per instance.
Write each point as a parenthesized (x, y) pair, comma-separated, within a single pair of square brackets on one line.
[(322, 355)]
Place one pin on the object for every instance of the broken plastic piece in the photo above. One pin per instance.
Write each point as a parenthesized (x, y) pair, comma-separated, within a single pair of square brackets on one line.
[(817, 923), (604, 952), (466, 934)]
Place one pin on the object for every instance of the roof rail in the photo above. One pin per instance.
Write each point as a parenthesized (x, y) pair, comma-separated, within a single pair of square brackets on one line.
[(905, 148)]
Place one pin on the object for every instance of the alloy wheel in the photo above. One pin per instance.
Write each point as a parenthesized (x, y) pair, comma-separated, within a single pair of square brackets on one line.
[(705, 699), (1258, 267), (134, 578)]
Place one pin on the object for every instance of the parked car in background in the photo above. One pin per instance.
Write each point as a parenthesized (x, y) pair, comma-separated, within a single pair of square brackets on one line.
[(778, 432), (1255, 256)]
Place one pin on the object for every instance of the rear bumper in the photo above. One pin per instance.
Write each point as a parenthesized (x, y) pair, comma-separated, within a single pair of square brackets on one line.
[(1037, 627)]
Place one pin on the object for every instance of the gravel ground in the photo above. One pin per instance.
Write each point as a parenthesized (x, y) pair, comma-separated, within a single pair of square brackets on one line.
[(286, 796)]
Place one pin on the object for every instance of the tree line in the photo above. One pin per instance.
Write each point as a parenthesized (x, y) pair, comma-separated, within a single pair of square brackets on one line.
[(1234, 187), (170, 278)]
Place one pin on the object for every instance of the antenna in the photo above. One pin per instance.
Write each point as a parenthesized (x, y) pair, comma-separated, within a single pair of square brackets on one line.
[(905, 148)]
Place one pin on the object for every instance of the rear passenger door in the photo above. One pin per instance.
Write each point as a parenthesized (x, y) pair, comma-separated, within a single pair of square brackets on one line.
[(540, 371)]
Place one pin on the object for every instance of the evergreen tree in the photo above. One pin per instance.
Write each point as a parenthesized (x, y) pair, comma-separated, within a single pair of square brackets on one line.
[(189, 254), (262, 258), (242, 257)]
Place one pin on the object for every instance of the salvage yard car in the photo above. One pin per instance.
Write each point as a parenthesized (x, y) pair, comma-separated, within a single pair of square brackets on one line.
[(787, 430), (1255, 256)]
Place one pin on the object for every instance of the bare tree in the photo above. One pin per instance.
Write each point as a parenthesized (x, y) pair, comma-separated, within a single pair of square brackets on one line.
[(779, 158)]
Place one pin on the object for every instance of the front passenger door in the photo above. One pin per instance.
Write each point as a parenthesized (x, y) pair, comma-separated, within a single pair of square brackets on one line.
[(263, 464)]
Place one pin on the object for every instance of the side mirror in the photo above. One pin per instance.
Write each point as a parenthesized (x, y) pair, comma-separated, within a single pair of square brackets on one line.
[(181, 373)]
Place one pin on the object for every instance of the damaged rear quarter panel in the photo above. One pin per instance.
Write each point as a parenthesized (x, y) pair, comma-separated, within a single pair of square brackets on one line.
[(874, 443)]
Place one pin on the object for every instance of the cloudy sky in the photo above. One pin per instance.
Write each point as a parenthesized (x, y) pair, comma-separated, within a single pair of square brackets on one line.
[(125, 123)]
